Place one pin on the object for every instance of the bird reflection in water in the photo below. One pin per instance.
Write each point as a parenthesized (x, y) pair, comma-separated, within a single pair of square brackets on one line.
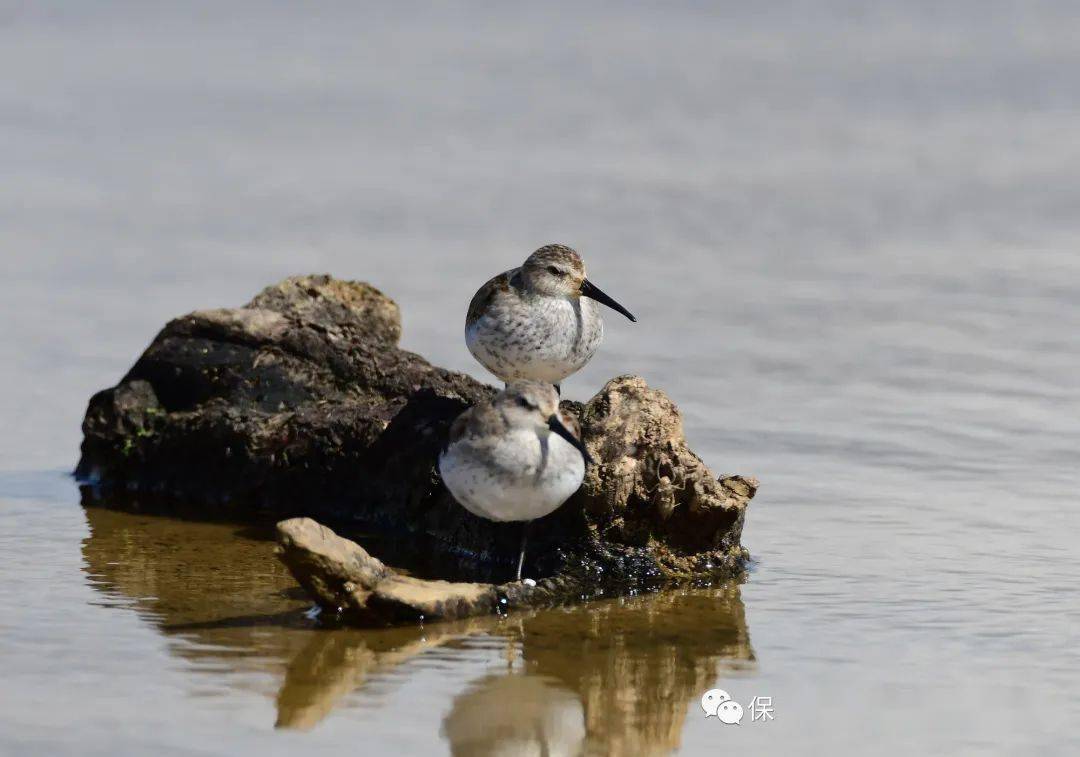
[(515, 714)]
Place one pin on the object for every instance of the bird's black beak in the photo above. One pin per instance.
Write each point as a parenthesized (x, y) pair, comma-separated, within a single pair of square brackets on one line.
[(557, 427), (589, 289)]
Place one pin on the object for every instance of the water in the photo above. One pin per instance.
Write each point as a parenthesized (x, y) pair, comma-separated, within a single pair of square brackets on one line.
[(849, 234)]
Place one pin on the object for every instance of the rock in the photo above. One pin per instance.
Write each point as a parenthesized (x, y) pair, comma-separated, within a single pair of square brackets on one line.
[(648, 488), (301, 403)]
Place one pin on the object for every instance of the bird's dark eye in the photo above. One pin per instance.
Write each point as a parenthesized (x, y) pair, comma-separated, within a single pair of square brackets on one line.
[(554, 271), (526, 403)]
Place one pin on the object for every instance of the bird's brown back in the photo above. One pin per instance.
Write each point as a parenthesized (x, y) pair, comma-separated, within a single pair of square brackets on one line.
[(496, 287)]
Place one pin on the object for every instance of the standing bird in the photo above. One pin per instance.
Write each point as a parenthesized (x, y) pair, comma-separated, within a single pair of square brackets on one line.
[(540, 321), (515, 458)]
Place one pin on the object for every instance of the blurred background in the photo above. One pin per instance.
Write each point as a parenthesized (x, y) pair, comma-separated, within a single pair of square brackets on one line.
[(849, 232)]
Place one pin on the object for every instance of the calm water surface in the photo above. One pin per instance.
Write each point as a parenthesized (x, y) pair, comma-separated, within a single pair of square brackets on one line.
[(850, 236)]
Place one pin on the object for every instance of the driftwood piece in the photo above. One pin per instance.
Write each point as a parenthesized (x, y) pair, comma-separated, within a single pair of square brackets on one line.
[(300, 403), (344, 579)]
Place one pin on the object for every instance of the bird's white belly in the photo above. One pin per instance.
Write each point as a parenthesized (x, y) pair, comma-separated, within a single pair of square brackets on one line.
[(543, 339), (515, 478)]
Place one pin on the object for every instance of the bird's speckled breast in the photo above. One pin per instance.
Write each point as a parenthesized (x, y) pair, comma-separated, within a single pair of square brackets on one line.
[(526, 336)]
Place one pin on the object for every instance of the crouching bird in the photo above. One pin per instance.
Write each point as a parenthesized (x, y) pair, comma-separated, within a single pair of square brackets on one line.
[(515, 458)]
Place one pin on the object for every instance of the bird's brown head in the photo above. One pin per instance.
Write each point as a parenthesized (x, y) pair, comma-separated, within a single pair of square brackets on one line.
[(536, 404), (556, 270)]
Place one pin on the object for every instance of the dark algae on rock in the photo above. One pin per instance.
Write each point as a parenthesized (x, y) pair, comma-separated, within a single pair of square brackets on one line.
[(301, 404)]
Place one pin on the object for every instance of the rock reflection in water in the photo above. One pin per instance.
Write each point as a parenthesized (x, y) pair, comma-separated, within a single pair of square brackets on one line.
[(617, 676), (637, 663), (335, 663), (219, 583)]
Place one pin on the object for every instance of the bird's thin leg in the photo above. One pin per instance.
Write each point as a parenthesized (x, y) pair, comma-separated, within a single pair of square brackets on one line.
[(521, 556), (558, 389)]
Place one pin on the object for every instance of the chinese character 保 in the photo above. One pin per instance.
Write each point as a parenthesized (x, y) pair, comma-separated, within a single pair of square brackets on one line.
[(761, 708)]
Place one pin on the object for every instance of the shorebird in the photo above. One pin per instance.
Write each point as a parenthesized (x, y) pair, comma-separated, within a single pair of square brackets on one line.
[(540, 321), (515, 458)]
